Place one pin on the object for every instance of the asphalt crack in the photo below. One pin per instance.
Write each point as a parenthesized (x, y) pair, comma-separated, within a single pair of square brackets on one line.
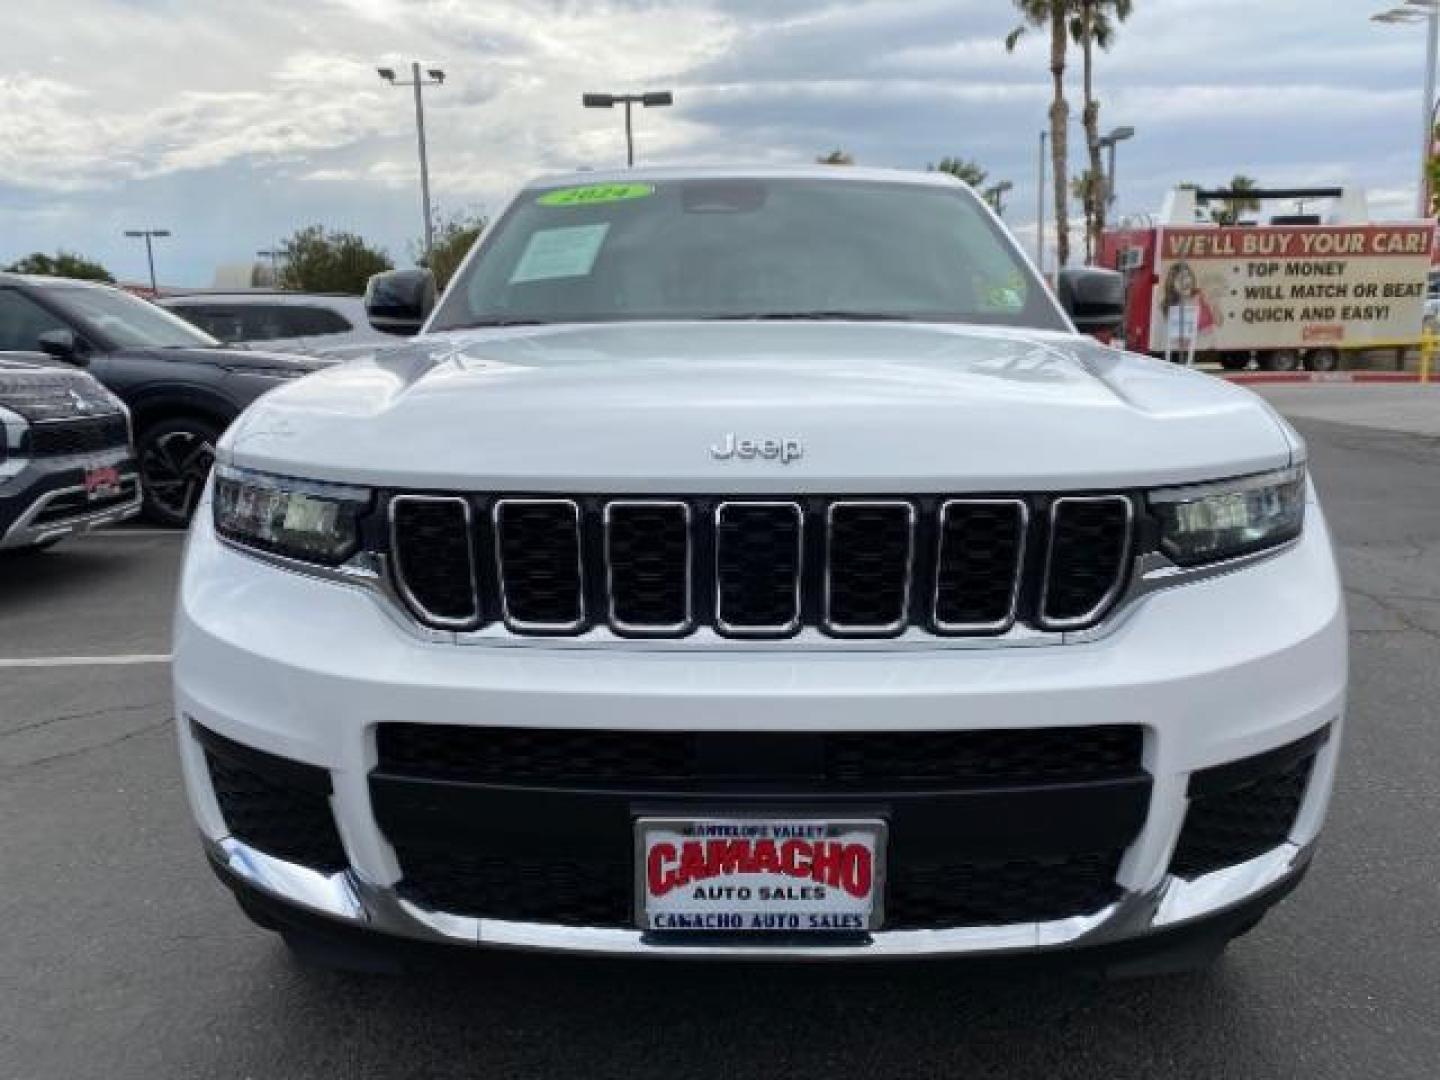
[(90, 715)]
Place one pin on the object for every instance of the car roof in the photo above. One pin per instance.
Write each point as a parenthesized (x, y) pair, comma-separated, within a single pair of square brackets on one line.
[(282, 295), (835, 173), (42, 280)]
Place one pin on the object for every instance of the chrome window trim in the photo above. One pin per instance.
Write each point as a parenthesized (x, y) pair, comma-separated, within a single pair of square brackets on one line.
[(619, 625), (1001, 625), (526, 626), (868, 629), (1113, 592), (727, 628), (397, 568)]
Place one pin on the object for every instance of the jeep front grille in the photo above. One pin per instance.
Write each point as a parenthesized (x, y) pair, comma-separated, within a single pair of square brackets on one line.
[(760, 568)]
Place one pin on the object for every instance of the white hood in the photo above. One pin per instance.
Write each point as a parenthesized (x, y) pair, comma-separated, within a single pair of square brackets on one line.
[(635, 407)]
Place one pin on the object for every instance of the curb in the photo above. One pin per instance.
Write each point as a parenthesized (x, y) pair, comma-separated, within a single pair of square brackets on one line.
[(1328, 377)]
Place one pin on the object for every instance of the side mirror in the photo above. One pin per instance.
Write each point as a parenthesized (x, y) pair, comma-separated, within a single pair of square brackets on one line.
[(62, 345), (1093, 298), (399, 301)]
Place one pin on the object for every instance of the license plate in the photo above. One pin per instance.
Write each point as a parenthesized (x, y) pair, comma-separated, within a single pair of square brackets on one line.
[(759, 875), (102, 483)]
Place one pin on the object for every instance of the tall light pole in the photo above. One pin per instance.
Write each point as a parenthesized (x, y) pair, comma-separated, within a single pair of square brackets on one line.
[(433, 77), (149, 235), (1413, 11), (1109, 142), (653, 100), (1040, 208)]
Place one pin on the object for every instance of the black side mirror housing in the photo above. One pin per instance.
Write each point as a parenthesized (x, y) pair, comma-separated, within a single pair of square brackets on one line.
[(63, 345), (1093, 298), (399, 301)]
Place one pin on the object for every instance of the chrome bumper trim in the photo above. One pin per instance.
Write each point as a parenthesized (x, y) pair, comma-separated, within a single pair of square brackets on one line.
[(344, 896), (25, 533)]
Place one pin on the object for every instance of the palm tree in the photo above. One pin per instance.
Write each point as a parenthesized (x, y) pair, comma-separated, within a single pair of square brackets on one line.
[(1230, 210), (970, 172), (1053, 14), (1087, 190), (1095, 23)]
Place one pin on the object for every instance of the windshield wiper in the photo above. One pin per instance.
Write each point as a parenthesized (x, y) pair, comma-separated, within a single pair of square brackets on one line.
[(816, 316)]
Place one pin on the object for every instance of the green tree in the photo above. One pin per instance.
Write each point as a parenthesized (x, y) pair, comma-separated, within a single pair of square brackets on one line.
[(962, 169), (1054, 15), (455, 235), (1095, 23), (1232, 209), (318, 260), (62, 264), (836, 157)]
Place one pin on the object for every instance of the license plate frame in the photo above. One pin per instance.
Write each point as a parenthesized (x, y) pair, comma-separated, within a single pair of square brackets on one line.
[(102, 482), (836, 909)]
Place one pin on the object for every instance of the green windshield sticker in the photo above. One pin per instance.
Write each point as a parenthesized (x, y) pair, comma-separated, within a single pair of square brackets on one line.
[(595, 194), (560, 253)]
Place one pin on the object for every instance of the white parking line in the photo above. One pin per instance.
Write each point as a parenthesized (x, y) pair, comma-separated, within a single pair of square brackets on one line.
[(85, 661)]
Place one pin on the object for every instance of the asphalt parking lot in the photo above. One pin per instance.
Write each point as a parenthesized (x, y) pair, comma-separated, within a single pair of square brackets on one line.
[(122, 957)]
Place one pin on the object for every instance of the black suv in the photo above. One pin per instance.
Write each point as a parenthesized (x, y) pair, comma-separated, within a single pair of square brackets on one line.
[(65, 460), (182, 386)]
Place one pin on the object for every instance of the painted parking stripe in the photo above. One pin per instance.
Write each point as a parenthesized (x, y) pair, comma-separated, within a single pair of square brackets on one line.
[(85, 661)]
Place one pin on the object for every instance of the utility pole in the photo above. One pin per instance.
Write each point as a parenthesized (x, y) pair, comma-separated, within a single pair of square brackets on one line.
[(435, 78), (149, 235)]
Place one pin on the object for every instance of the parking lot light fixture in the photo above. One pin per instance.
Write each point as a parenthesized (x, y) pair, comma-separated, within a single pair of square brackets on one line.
[(431, 77), (149, 235), (654, 99), (1109, 142), (1427, 11)]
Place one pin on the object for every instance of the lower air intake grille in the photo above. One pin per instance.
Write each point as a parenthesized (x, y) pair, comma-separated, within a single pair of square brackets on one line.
[(543, 889), (278, 806), (1240, 811), (1000, 892), (59, 437)]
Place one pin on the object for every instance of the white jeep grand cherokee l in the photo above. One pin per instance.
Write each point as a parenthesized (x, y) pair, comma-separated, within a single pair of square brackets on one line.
[(759, 564)]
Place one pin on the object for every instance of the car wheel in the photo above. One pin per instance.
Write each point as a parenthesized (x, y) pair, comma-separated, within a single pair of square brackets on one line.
[(1322, 360), (1281, 360), (175, 459), (1234, 361)]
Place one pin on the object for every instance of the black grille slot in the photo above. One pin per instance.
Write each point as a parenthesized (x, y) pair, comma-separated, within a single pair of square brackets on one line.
[(434, 555), (982, 552), (758, 554), (1089, 546), (869, 549), (93, 434), (934, 896), (647, 549), (533, 757), (560, 890), (541, 584), (276, 805), (1240, 811)]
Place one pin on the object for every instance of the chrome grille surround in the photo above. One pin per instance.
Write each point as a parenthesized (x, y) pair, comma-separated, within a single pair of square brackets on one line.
[(529, 626), (831, 624), (629, 629), (998, 626), (1078, 622), (758, 630), (423, 613)]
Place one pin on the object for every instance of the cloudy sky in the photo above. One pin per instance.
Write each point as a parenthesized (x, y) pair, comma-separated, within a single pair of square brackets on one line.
[(233, 122)]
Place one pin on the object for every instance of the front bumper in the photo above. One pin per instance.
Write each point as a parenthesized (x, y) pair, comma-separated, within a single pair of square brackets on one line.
[(46, 499), (1214, 672)]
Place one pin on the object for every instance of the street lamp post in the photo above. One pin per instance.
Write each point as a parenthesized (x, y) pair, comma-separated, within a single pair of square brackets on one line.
[(1413, 11), (149, 235), (1040, 208), (652, 100), (1109, 142), (434, 77)]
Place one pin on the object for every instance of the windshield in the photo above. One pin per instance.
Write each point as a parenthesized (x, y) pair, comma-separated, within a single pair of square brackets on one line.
[(128, 321), (748, 248)]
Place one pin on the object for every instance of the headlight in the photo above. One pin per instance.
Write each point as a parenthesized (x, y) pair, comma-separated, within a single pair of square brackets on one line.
[(1209, 522), (301, 519)]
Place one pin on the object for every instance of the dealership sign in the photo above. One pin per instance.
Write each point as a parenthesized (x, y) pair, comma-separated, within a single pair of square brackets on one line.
[(1290, 287)]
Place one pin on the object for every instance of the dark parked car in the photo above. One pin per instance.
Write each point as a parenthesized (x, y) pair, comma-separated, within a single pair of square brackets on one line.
[(316, 324), (182, 386), (65, 459)]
